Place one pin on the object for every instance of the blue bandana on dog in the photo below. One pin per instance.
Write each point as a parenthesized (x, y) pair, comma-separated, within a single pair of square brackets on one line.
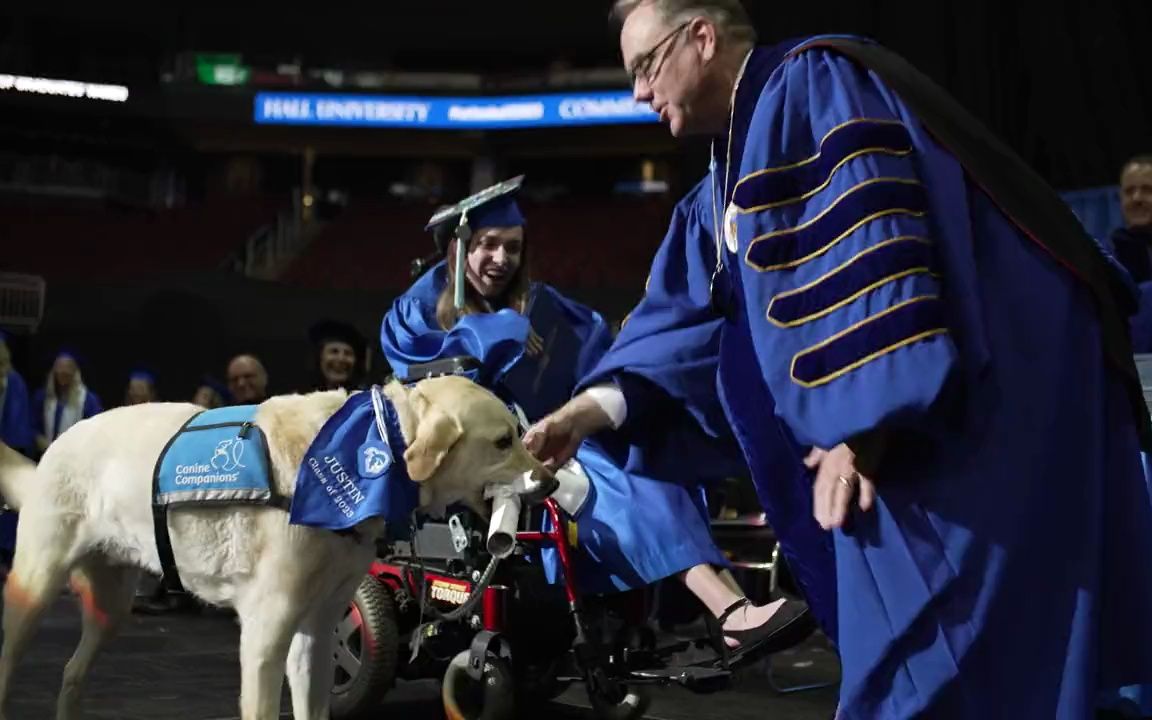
[(355, 469)]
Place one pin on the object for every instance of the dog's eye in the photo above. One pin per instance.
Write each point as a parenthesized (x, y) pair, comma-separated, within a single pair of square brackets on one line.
[(505, 442)]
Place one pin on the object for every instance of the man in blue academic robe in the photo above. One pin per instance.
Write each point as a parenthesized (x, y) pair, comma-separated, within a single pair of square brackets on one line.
[(906, 301)]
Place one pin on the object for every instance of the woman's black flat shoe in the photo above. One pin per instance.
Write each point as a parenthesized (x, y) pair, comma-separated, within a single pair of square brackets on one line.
[(789, 626)]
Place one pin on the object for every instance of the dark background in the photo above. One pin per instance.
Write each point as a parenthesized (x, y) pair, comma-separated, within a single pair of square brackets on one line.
[(1068, 85)]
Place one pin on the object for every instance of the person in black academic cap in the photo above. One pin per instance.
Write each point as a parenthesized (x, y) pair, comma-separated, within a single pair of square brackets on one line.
[(339, 358)]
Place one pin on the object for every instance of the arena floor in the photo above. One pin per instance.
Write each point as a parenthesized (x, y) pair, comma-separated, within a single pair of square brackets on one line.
[(185, 667)]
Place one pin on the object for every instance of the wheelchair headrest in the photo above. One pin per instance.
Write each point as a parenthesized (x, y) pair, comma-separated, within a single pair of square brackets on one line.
[(459, 365)]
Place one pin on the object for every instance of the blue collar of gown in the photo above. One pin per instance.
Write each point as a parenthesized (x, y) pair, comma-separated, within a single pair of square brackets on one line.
[(761, 64)]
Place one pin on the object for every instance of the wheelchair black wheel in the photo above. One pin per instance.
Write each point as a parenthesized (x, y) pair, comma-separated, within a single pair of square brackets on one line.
[(492, 698), (537, 684), (616, 701), (367, 651)]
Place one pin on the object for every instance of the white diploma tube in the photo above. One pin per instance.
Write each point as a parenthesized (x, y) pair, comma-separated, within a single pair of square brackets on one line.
[(505, 520)]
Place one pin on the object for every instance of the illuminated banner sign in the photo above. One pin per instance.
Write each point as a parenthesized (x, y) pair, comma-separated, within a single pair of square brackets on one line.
[(65, 88), (446, 113)]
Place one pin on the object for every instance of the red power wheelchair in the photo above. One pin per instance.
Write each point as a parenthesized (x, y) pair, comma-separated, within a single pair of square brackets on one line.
[(438, 604)]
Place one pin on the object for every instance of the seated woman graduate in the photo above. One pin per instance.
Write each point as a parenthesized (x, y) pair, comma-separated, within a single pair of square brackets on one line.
[(645, 518)]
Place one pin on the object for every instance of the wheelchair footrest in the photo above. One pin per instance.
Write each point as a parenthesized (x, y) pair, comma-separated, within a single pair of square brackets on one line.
[(667, 651), (656, 657), (697, 679)]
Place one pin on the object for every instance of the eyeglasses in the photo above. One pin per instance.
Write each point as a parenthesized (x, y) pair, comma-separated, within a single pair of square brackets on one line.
[(646, 66)]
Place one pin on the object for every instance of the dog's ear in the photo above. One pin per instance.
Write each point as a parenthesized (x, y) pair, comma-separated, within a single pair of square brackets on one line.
[(436, 433)]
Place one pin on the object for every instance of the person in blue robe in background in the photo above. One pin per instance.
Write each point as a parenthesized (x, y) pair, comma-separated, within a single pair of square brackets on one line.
[(63, 401), (646, 517), (1129, 246), (15, 432), (141, 388), (1136, 301), (934, 326), (1141, 321), (15, 411)]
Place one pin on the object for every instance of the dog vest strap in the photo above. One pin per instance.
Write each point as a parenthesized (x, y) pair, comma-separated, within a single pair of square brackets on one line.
[(160, 521)]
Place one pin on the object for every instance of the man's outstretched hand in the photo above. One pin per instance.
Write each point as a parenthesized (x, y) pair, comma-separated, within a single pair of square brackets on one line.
[(555, 439)]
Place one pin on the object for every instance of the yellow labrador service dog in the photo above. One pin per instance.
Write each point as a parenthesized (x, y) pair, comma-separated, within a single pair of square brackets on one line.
[(87, 513)]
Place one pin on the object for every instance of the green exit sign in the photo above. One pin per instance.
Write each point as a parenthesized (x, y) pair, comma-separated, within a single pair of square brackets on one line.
[(222, 70)]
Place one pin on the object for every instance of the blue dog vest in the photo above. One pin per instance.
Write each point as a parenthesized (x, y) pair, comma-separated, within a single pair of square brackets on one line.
[(354, 470), (219, 457)]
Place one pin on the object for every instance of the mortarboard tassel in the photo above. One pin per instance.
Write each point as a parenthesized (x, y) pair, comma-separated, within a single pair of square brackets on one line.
[(463, 237)]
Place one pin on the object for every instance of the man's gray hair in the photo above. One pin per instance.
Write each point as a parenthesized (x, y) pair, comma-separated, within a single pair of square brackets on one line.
[(1137, 160), (729, 16)]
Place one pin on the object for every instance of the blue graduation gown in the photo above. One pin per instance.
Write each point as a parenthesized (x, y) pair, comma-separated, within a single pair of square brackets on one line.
[(646, 517), (15, 414), (15, 432), (999, 574), (92, 406), (1137, 696), (1141, 321), (411, 335), (1135, 297)]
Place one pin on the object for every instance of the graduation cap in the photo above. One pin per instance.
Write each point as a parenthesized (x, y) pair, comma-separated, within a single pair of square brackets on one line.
[(68, 353), (491, 207), (327, 331), (142, 374), (220, 388)]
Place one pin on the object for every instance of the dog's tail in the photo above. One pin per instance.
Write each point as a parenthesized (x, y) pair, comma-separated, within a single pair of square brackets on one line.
[(16, 476)]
